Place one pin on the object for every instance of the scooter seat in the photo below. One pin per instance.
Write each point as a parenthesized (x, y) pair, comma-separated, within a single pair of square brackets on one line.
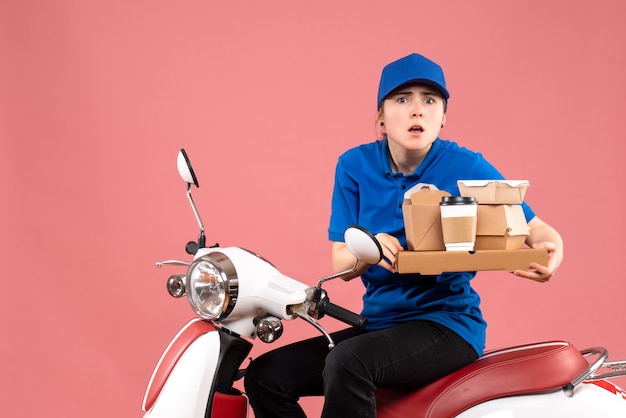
[(532, 368)]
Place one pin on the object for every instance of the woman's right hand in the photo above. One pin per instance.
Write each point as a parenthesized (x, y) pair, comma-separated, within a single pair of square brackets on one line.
[(343, 260), (391, 246)]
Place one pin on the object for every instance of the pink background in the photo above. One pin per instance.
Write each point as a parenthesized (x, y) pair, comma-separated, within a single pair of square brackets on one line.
[(96, 98)]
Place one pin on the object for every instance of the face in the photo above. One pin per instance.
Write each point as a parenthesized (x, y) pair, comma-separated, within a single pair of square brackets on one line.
[(413, 116)]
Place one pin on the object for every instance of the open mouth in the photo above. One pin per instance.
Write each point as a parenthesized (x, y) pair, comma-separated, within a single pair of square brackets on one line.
[(416, 128)]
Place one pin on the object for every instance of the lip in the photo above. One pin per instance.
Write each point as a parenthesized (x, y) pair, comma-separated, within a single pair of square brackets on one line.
[(416, 129)]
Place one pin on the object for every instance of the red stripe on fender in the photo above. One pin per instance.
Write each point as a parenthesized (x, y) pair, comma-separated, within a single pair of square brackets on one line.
[(609, 386), (194, 329), (605, 385)]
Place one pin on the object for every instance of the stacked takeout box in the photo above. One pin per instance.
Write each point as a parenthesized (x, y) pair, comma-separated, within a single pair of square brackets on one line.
[(501, 230), (422, 218), (500, 223)]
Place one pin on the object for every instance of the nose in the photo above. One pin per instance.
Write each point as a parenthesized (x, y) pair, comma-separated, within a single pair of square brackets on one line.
[(416, 111)]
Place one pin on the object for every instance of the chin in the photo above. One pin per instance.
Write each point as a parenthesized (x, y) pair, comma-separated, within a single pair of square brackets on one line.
[(417, 144)]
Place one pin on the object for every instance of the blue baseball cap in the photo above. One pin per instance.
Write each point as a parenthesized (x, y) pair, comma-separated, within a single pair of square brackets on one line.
[(414, 68)]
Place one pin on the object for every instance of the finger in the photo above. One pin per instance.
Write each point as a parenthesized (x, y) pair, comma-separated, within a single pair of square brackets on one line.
[(390, 242), (537, 272), (531, 275), (389, 250), (387, 265), (389, 256), (396, 243)]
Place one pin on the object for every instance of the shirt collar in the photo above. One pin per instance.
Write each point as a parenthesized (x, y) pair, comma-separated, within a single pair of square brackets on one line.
[(384, 155)]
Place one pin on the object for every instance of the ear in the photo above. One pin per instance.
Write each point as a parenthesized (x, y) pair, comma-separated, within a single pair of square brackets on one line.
[(443, 121), (380, 127), (380, 116)]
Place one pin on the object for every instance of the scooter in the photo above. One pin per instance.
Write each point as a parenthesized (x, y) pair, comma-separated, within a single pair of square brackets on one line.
[(238, 296)]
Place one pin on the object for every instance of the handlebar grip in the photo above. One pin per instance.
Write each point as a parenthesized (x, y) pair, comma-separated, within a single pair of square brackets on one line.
[(344, 315)]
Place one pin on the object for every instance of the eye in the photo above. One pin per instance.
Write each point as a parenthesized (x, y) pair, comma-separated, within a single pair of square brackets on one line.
[(403, 99), (429, 100)]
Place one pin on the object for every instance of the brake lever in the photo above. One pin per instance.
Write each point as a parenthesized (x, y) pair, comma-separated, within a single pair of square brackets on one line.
[(301, 312)]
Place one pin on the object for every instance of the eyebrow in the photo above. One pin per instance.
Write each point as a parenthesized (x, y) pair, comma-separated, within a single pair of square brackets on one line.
[(423, 91)]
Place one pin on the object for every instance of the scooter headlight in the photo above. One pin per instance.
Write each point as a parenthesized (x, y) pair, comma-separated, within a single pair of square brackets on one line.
[(212, 286)]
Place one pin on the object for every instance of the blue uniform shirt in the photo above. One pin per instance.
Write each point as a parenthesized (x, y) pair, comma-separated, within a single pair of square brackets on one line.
[(368, 193)]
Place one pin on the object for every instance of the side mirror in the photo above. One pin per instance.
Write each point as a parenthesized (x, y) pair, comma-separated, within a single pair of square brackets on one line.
[(363, 245), (187, 174), (185, 170)]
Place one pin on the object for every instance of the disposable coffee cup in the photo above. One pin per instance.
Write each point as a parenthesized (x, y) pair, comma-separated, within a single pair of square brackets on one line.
[(458, 222)]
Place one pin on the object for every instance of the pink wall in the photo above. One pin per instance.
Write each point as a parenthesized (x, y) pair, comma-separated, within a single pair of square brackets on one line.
[(97, 97)]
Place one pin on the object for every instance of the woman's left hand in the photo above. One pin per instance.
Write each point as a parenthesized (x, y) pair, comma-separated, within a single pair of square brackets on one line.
[(538, 272)]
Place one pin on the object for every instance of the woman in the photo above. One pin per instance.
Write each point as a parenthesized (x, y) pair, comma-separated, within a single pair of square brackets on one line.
[(420, 328)]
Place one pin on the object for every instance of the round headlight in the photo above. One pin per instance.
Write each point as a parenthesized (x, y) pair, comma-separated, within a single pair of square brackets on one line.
[(212, 286)]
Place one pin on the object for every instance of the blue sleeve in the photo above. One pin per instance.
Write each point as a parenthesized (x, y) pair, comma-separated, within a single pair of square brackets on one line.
[(345, 201)]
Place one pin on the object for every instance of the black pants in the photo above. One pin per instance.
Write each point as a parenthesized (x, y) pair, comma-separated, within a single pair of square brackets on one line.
[(403, 357)]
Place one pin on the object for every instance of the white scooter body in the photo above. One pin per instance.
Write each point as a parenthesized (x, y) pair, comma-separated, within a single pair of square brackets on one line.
[(590, 400), (184, 394), (194, 377), (183, 382), (269, 291)]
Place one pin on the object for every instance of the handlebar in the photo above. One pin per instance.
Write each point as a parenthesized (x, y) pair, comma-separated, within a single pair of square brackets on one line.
[(319, 305), (342, 314)]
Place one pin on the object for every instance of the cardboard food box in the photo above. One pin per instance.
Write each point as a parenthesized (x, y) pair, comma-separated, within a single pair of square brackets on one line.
[(500, 227), (494, 192), (422, 218), (437, 262)]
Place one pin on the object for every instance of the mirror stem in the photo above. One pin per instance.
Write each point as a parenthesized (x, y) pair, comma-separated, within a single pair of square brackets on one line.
[(201, 238), (354, 269)]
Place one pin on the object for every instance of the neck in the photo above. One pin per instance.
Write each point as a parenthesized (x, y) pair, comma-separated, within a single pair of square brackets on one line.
[(405, 162)]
